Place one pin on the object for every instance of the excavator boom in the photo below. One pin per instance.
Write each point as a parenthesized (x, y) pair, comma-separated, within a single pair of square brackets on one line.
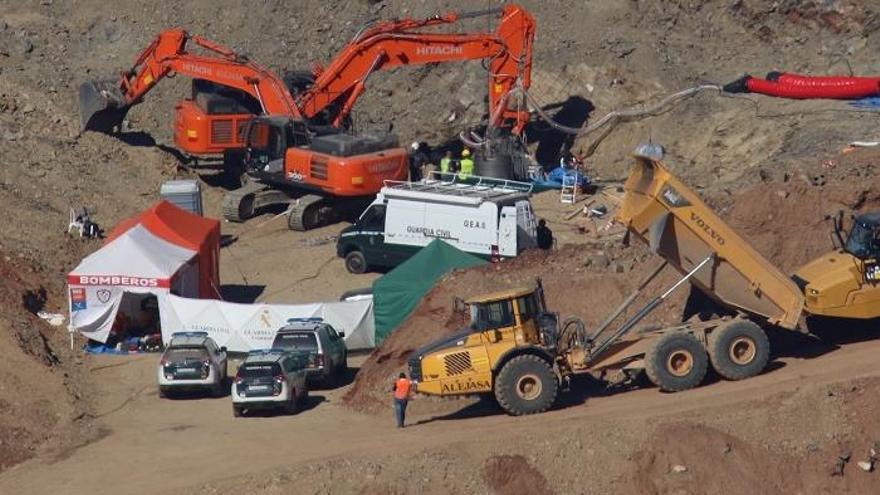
[(104, 104), (392, 44), (382, 46)]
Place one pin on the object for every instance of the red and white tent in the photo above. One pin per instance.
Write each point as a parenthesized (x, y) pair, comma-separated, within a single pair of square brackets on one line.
[(164, 250)]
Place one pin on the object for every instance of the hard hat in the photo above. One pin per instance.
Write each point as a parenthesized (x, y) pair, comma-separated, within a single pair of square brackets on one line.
[(465, 152), (415, 145)]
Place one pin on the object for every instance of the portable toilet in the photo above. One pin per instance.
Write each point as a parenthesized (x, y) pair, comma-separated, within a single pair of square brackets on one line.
[(186, 194)]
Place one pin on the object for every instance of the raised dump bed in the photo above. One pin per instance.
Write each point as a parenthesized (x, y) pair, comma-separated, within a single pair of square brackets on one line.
[(683, 230)]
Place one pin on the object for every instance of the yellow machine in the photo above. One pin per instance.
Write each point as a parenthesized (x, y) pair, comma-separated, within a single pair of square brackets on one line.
[(517, 350), (844, 282)]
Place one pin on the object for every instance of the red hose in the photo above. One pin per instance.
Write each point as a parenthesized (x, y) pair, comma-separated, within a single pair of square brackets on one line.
[(799, 80), (862, 88)]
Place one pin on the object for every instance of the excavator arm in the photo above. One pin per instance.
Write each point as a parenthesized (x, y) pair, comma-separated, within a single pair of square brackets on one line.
[(104, 104), (391, 44)]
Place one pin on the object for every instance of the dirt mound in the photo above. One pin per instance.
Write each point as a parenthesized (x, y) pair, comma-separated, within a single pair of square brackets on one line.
[(513, 475), (787, 222), (690, 458), (41, 380), (733, 457)]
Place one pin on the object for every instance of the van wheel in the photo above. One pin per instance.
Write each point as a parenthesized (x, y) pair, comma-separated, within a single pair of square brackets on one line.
[(355, 262), (526, 385), (676, 362), (739, 350)]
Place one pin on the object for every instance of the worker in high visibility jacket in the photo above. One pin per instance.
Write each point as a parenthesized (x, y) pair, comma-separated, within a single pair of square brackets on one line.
[(402, 389), (467, 164), (446, 162)]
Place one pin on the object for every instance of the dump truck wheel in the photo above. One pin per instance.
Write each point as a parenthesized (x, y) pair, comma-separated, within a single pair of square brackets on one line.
[(355, 262), (739, 350), (676, 362), (526, 385)]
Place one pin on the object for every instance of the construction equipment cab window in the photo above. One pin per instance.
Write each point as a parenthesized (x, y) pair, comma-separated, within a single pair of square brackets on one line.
[(268, 141), (864, 239), (497, 314), (528, 308)]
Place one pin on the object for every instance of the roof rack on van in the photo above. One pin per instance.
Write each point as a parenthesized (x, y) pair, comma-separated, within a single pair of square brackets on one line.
[(474, 186)]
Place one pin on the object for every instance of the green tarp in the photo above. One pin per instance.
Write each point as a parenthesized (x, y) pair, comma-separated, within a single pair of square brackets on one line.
[(399, 291)]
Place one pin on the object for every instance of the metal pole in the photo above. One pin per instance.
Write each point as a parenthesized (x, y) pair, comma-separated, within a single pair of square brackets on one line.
[(648, 308), (629, 300)]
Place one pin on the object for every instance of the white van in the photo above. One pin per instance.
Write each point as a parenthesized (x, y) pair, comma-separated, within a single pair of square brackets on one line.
[(486, 217)]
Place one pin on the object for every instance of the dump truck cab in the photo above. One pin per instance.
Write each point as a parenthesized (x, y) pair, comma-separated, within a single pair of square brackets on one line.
[(844, 282), (508, 330)]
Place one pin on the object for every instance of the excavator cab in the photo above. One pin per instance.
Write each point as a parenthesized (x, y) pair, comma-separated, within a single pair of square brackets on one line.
[(268, 139)]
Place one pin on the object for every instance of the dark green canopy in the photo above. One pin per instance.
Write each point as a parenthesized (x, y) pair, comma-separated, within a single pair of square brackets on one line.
[(397, 294)]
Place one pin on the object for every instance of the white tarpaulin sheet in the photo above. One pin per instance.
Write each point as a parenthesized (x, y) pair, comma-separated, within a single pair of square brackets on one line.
[(243, 327)]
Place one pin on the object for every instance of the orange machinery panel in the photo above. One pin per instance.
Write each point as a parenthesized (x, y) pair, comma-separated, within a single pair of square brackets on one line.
[(198, 133)]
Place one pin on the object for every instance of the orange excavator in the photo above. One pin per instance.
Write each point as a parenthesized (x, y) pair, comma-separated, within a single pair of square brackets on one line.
[(228, 90), (282, 123)]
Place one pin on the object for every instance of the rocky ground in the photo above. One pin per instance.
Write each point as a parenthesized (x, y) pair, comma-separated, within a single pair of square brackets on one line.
[(773, 168)]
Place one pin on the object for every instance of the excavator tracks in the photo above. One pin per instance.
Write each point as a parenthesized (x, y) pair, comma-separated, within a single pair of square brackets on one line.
[(312, 211), (238, 205), (244, 202)]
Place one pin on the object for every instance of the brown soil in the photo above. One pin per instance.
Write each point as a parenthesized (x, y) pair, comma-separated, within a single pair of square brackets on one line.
[(513, 475), (689, 458), (41, 382), (739, 152)]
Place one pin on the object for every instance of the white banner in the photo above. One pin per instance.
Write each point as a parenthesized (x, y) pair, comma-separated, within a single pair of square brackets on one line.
[(243, 327)]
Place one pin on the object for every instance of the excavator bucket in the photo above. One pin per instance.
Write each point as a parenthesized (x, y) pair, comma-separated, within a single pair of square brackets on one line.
[(102, 106)]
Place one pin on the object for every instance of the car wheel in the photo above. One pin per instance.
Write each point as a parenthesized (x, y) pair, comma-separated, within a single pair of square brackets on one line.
[(355, 262), (163, 394), (217, 389), (237, 411), (290, 406), (342, 371)]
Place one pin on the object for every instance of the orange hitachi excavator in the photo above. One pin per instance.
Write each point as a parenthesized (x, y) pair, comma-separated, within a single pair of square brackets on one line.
[(228, 91), (289, 153)]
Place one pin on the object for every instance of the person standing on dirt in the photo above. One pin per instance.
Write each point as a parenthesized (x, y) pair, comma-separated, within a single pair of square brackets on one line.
[(402, 388), (545, 235)]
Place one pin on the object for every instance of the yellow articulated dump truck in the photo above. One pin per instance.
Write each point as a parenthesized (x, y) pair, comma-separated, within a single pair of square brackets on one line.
[(518, 350)]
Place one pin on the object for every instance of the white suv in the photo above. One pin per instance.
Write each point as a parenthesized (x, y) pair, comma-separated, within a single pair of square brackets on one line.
[(270, 379), (192, 361)]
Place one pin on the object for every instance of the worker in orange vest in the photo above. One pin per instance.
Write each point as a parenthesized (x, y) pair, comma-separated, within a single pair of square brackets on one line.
[(402, 388)]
